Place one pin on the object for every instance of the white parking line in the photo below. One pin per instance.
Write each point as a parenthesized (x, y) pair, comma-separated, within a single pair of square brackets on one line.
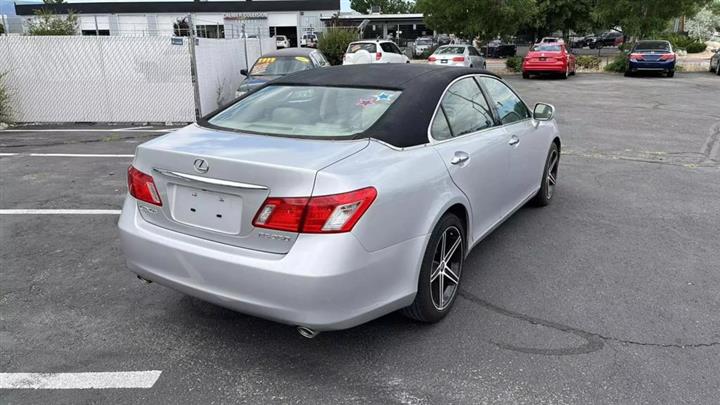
[(82, 381), (78, 155), (136, 129), (57, 212), (8, 154)]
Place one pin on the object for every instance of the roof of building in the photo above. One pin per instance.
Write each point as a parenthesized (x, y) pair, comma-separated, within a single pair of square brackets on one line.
[(407, 120), (181, 6)]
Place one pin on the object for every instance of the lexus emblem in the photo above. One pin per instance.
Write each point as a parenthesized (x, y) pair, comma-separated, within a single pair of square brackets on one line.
[(201, 166)]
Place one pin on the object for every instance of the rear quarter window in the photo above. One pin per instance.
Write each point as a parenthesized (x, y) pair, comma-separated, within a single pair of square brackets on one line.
[(354, 47)]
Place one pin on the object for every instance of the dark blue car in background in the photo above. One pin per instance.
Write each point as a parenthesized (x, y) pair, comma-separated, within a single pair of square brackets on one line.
[(651, 56)]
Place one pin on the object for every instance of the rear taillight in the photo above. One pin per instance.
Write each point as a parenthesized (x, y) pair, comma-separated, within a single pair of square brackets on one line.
[(637, 56), (432, 59), (142, 187), (458, 59), (322, 214), (667, 57), (378, 55)]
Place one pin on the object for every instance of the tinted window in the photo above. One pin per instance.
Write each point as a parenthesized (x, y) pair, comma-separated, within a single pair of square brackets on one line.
[(547, 48), (273, 66), (362, 46), (465, 108), (653, 46), (473, 51), (390, 47), (509, 107), (307, 111)]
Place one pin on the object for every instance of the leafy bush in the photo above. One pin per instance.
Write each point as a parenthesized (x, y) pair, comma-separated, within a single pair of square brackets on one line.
[(5, 109), (334, 42), (618, 65), (696, 47), (588, 62), (514, 63), (679, 41), (47, 23)]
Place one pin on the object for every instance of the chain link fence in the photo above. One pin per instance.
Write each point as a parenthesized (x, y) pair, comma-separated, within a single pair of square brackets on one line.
[(122, 78)]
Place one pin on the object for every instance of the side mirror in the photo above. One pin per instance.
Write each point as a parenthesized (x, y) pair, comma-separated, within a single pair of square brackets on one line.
[(244, 72), (543, 112)]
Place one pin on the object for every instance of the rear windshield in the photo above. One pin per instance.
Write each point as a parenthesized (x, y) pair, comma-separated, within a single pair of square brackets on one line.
[(362, 46), (280, 37), (547, 48), (652, 46), (450, 50), (280, 65), (307, 111)]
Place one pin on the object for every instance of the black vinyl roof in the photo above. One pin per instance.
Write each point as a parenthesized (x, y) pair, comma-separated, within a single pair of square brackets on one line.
[(406, 122)]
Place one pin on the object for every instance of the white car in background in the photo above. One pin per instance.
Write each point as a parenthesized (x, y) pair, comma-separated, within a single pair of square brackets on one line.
[(458, 55), (281, 41), (371, 51)]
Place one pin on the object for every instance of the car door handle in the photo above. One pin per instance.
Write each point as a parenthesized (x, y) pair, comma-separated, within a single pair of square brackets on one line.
[(514, 140), (459, 157)]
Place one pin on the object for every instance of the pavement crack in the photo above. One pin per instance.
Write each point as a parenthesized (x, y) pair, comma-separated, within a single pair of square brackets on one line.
[(594, 341)]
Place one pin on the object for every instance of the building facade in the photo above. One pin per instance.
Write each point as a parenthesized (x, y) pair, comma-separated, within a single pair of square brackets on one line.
[(212, 19)]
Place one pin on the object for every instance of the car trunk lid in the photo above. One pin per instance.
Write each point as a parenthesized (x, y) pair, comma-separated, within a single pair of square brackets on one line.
[(212, 183)]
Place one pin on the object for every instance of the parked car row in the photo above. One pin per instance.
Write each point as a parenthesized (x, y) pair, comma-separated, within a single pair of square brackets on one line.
[(604, 40)]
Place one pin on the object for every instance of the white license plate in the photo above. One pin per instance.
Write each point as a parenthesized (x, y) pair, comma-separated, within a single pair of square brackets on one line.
[(206, 209)]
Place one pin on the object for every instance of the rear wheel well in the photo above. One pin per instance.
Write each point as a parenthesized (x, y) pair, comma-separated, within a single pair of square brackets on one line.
[(556, 141), (460, 211)]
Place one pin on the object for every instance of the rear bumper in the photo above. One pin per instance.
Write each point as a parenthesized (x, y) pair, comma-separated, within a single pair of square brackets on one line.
[(449, 63), (651, 66), (557, 67), (325, 282)]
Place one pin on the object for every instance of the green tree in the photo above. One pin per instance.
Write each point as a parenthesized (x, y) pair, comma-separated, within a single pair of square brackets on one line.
[(6, 111), (386, 6), (564, 15), (482, 18), (46, 22), (643, 18), (334, 42)]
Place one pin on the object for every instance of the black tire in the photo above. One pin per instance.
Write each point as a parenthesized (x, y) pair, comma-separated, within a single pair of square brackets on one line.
[(547, 184), (485, 66), (628, 73), (425, 307), (671, 73), (717, 69), (526, 75)]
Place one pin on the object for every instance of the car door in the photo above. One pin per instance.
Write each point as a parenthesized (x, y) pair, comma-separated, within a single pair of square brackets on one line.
[(528, 144), (475, 151)]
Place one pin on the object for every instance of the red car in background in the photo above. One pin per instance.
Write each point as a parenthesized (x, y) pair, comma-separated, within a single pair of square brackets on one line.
[(551, 58)]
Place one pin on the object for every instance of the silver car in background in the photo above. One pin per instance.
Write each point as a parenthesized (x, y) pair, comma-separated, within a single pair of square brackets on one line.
[(327, 198), (458, 55)]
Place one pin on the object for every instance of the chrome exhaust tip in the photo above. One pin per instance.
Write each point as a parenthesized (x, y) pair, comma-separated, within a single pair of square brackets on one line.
[(144, 280), (307, 332)]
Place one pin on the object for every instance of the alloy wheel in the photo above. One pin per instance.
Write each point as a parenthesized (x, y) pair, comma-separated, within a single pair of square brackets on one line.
[(551, 179), (447, 268)]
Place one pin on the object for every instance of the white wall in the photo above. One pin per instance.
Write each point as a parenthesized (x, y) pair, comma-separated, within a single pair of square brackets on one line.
[(219, 62), (97, 79)]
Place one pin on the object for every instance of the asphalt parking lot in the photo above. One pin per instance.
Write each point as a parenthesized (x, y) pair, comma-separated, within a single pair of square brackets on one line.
[(609, 295)]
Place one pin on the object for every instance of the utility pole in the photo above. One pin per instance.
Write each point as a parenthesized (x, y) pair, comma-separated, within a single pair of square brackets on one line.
[(244, 35), (193, 68)]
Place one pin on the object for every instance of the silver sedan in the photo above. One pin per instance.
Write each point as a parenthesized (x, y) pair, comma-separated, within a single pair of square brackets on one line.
[(330, 197)]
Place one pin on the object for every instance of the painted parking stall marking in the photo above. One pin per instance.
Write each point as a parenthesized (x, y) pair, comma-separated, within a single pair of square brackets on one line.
[(58, 212), (82, 381), (80, 155)]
